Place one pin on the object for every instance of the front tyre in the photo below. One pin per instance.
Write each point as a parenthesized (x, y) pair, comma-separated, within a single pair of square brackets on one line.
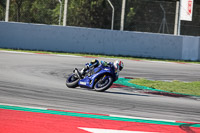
[(72, 81), (103, 84)]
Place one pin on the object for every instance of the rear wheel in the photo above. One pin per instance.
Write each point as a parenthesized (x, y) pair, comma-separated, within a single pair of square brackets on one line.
[(72, 81), (103, 83)]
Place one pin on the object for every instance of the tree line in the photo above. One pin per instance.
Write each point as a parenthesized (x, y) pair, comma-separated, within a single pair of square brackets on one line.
[(140, 15), (87, 13)]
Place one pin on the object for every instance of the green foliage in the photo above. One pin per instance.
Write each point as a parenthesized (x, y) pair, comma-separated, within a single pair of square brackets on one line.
[(140, 15), (2, 9), (84, 13), (3, 4), (44, 11), (130, 16), (87, 13), (34, 11)]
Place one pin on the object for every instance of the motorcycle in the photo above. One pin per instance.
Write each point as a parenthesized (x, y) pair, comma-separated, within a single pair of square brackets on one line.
[(96, 78)]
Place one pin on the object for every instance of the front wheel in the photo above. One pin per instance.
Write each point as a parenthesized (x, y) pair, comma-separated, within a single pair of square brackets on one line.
[(103, 83), (72, 81)]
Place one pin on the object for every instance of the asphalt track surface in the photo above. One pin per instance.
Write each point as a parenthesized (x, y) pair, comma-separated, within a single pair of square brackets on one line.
[(39, 80)]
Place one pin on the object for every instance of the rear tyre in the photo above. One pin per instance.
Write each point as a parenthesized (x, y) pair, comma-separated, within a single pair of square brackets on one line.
[(72, 81), (101, 86)]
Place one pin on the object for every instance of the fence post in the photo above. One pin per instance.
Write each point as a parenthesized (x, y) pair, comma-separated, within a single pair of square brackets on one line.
[(179, 18), (122, 15), (65, 13), (7, 10), (113, 14)]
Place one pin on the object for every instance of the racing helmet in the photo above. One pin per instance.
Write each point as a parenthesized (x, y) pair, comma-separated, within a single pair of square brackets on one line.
[(95, 62), (118, 65)]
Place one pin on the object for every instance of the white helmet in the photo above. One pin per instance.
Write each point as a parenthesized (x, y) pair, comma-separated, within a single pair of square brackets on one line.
[(118, 65)]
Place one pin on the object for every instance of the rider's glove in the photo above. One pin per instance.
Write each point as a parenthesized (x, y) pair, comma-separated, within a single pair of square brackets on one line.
[(104, 63)]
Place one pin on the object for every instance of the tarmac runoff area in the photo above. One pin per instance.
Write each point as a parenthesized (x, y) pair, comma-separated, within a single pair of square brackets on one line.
[(36, 80)]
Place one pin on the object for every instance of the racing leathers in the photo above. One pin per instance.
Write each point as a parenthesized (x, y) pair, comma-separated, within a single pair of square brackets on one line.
[(95, 63)]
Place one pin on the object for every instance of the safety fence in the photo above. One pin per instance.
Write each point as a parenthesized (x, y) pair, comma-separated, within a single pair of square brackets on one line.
[(156, 16)]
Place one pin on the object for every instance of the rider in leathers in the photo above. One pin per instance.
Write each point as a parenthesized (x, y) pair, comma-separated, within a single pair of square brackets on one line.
[(117, 65)]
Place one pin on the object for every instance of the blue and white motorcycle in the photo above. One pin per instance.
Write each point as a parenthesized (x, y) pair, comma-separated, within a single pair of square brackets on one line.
[(98, 79)]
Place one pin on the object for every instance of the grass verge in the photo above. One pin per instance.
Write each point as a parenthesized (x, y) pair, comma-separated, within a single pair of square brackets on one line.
[(190, 88), (99, 55)]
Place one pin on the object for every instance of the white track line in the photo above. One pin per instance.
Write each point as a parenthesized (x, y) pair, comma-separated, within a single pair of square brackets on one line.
[(29, 53), (60, 55), (132, 117), (22, 106), (99, 130)]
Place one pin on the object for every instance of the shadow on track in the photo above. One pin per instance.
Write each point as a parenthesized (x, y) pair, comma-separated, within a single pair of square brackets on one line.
[(125, 93), (186, 127)]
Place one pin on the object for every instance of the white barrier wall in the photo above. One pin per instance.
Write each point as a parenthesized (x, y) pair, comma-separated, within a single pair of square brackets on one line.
[(98, 41)]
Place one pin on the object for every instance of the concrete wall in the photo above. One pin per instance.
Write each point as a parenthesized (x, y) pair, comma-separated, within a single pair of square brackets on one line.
[(190, 50), (199, 49), (98, 41)]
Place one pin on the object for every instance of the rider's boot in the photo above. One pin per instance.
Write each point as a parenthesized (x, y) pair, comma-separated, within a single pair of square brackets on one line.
[(84, 70), (78, 73)]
